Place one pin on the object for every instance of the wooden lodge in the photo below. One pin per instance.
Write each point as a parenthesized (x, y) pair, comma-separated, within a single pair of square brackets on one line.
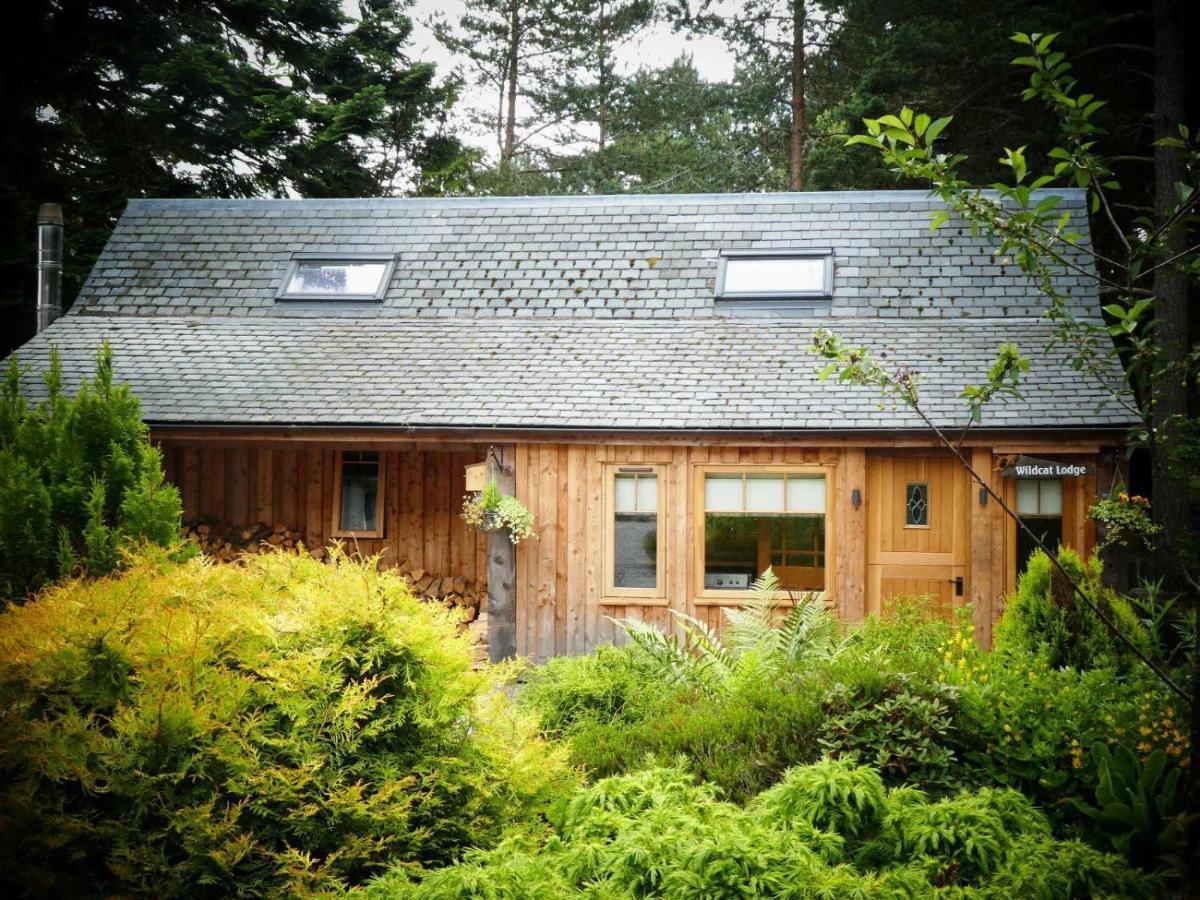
[(636, 370)]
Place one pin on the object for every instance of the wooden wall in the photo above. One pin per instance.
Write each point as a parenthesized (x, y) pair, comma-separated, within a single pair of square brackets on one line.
[(293, 485), (560, 604), (561, 607)]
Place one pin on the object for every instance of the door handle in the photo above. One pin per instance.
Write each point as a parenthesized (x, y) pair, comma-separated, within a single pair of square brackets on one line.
[(958, 585)]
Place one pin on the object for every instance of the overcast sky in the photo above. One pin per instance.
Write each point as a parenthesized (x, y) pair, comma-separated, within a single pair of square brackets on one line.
[(655, 47)]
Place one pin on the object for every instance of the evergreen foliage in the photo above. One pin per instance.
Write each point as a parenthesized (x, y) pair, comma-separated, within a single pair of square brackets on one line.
[(79, 480), (209, 98), (1045, 618), (828, 830), (281, 727)]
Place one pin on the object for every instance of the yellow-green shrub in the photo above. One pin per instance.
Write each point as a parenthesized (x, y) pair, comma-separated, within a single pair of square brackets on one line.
[(279, 727), (1046, 619)]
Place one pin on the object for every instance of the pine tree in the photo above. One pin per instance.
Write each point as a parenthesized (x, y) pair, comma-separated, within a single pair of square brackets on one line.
[(104, 101)]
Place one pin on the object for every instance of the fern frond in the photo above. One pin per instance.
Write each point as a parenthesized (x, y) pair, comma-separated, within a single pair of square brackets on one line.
[(808, 631), (751, 628)]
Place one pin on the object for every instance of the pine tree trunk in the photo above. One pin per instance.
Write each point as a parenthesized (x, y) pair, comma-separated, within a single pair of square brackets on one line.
[(602, 85), (796, 148), (1169, 389), (514, 49)]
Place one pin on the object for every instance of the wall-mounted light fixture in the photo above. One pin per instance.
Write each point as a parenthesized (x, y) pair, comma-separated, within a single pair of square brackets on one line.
[(983, 495), (856, 498)]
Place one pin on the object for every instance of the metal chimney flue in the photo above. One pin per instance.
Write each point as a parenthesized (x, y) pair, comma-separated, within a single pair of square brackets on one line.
[(49, 264)]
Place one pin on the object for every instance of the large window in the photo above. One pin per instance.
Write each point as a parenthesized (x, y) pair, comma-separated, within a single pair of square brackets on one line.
[(358, 494), (1040, 506), (755, 520), (634, 520), (774, 274), (336, 278)]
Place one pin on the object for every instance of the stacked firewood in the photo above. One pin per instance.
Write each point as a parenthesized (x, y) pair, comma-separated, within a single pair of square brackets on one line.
[(449, 590), (224, 541)]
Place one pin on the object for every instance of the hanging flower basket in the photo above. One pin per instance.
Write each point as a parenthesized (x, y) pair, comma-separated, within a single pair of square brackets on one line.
[(491, 512)]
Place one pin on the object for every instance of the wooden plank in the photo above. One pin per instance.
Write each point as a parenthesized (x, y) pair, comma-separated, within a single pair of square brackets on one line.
[(549, 536), (189, 483), (237, 483), (562, 512), (575, 601), (456, 536), (436, 507), (410, 538), (526, 555), (850, 537), (314, 519), (597, 629), (502, 569), (264, 486), (983, 524), (290, 481), (1029, 440), (212, 502)]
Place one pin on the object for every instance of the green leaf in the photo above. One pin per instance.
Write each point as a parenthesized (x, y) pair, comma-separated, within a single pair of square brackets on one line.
[(938, 219), (936, 128), (1044, 44)]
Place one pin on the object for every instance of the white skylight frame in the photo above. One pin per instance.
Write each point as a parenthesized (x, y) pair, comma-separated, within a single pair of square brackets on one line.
[(388, 260), (823, 255)]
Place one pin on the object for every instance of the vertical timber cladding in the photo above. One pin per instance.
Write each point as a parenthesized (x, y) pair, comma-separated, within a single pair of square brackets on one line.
[(561, 607), (293, 485)]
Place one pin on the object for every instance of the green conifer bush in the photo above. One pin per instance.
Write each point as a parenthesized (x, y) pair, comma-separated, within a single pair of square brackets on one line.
[(275, 728), (79, 480)]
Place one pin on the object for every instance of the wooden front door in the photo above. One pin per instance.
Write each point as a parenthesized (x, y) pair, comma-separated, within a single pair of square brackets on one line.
[(918, 531)]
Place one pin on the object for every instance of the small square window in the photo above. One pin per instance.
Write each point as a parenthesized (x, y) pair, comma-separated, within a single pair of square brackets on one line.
[(336, 278), (916, 505), (775, 274), (358, 501), (1038, 497)]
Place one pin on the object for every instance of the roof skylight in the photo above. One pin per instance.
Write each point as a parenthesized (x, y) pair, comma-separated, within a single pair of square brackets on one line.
[(774, 274), (332, 277)]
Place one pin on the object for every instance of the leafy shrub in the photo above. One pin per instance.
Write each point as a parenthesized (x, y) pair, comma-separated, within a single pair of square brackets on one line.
[(832, 794), (741, 743), (1139, 806), (281, 727), (1047, 619), (1037, 869), (903, 726), (1020, 723), (79, 480), (611, 685), (658, 833), (969, 835)]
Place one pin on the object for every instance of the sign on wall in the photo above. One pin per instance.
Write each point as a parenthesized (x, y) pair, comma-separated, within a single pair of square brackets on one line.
[(1035, 467)]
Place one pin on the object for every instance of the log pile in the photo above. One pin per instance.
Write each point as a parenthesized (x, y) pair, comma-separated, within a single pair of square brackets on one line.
[(450, 590), (224, 541)]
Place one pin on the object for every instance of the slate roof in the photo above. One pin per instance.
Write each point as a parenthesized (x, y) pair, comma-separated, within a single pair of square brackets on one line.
[(709, 374), (569, 312)]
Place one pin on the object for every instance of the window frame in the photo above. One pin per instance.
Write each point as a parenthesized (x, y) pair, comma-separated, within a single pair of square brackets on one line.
[(825, 254), (628, 596), (928, 505), (1062, 495), (380, 498), (388, 259), (703, 596)]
